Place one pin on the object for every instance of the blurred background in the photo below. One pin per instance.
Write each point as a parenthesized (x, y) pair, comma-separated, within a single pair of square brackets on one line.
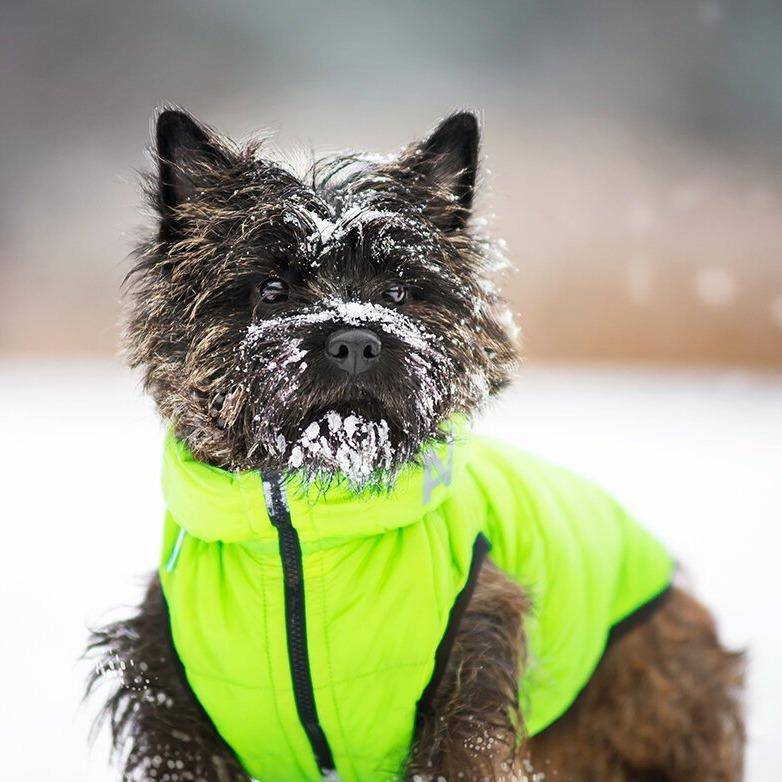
[(634, 150), (633, 163)]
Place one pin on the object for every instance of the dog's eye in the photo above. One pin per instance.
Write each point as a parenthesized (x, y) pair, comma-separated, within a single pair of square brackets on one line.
[(273, 291), (396, 294)]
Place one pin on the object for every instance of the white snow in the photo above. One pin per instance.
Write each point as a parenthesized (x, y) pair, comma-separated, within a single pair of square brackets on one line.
[(326, 232), (426, 360), (351, 313), (697, 455), (355, 446)]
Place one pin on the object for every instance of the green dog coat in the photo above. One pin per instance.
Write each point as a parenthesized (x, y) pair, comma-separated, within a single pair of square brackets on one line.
[(310, 624)]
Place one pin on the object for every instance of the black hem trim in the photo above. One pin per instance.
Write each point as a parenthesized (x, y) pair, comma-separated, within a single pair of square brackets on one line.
[(642, 614), (181, 676), (480, 548), (639, 616)]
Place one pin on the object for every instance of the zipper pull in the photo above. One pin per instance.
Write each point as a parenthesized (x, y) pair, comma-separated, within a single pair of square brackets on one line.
[(276, 499)]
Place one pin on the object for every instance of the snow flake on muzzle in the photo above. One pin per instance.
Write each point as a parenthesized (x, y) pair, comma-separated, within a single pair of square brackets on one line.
[(274, 360)]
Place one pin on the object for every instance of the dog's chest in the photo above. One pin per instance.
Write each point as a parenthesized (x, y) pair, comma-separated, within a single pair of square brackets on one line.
[(336, 652)]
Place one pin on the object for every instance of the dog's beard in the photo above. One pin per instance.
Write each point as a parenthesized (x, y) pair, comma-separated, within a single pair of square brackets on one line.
[(356, 447), (362, 430)]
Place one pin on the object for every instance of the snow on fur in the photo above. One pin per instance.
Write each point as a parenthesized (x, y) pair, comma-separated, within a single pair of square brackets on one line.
[(360, 449)]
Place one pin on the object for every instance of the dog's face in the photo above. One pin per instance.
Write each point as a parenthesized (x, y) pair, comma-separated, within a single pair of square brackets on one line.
[(327, 324)]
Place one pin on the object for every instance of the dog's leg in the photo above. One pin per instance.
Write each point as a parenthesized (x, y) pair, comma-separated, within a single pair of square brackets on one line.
[(472, 728), (663, 706), (159, 729)]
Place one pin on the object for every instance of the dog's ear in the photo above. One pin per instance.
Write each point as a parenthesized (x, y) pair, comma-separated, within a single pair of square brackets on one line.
[(185, 150), (448, 163)]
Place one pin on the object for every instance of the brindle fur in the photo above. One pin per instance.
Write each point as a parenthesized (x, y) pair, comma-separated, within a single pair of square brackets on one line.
[(474, 724), (230, 218), (158, 727), (664, 703)]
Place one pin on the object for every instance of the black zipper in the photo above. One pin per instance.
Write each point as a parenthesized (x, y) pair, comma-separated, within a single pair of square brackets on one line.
[(296, 621)]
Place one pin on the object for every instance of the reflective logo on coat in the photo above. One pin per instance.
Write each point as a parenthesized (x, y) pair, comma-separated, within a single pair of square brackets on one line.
[(437, 473)]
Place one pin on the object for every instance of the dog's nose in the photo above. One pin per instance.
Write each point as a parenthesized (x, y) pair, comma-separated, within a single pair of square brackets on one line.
[(353, 350)]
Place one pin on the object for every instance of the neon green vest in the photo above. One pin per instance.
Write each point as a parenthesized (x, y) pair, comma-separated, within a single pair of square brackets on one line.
[(367, 602)]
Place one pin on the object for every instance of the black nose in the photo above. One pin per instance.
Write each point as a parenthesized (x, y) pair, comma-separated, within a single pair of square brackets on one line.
[(353, 350)]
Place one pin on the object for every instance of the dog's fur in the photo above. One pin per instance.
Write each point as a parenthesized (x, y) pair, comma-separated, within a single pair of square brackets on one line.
[(225, 369)]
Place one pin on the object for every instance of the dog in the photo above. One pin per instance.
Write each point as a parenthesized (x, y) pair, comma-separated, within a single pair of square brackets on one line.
[(349, 586)]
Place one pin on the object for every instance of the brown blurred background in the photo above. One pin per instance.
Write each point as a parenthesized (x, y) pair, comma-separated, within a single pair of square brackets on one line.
[(634, 150)]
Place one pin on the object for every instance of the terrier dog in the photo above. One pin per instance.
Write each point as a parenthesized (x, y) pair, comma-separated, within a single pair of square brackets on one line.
[(311, 336)]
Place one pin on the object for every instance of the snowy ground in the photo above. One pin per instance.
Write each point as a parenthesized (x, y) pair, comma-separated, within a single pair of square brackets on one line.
[(697, 455)]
